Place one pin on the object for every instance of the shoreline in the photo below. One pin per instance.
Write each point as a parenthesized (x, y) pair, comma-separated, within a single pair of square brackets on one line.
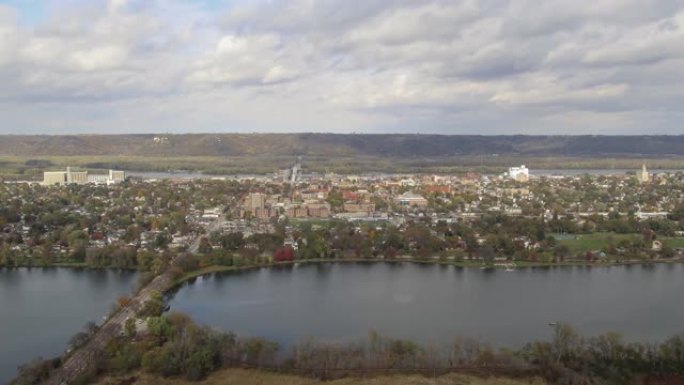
[(72, 265), (464, 265), (177, 284)]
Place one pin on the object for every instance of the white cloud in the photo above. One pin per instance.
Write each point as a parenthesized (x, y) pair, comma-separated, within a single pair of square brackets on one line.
[(492, 66), (244, 60), (551, 91), (656, 41), (100, 58), (8, 34), (116, 5), (432, 21)]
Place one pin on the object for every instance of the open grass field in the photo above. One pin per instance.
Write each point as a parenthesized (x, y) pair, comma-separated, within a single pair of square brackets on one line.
[(597, 241), (252, 377), (674, 242)]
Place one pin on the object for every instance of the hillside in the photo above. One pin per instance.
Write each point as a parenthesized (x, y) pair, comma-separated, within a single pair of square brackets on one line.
[(385, 145)]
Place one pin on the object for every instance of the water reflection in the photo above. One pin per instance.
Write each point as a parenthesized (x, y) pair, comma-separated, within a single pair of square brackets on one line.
[(429, 304), (49, 305)]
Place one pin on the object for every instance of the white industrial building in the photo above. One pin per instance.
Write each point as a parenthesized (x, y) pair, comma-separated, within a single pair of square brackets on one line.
[(51, 178), (520, 174)]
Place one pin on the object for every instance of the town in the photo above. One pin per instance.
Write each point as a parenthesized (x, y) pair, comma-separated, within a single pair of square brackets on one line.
[(509, 219), (309, 192)]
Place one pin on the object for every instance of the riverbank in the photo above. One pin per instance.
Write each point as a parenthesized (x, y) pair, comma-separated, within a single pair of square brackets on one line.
[(255, 377), (434, 261), (69, 265)]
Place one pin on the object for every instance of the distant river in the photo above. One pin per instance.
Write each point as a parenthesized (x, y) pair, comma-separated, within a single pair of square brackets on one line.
[(597, 171), (433, 304), (535, 172), (41, 308), (147, 175)]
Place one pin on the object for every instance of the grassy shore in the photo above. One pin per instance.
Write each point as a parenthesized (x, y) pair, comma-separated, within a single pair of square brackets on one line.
[(598, 241), (254, 377)]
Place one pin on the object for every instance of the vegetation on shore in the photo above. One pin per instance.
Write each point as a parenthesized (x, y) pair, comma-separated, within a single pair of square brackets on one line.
[(603, 240), (260, 377), (172, 346)]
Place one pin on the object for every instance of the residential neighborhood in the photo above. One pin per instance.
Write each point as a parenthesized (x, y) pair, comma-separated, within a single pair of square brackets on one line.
[(470, 217)]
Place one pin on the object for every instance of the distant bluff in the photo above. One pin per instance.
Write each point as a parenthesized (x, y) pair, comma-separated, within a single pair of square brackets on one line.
[(384, 145)]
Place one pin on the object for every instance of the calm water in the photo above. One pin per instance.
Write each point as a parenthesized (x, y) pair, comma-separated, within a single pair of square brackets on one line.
[(41, 308), (147, 175), (432, 304)]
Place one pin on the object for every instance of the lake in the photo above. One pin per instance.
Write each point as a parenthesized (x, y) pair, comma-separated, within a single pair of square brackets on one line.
[(433, 304), (41, 308)]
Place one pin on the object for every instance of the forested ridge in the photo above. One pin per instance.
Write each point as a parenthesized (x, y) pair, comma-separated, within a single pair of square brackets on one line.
[(385, 145)]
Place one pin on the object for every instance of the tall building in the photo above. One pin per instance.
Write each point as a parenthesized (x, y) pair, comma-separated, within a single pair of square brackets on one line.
[(643, 176), (254, 203)]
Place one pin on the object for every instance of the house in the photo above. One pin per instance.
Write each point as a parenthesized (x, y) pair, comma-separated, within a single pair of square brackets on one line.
[(349, 195), (438, 189)]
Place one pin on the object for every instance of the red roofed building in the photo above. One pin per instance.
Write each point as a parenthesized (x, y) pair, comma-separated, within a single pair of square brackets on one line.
[(443, 189), (349, 195)]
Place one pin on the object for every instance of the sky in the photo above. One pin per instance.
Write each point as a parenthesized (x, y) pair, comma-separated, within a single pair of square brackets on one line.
[(377, 66)]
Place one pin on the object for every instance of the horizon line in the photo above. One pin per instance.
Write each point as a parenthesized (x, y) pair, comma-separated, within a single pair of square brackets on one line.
[(346, 134)]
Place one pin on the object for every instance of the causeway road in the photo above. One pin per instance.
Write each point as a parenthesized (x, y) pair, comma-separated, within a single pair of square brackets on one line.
[(83, 358)]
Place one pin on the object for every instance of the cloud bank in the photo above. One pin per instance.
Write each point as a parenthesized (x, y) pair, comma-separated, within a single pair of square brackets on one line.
[(453, 67)]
